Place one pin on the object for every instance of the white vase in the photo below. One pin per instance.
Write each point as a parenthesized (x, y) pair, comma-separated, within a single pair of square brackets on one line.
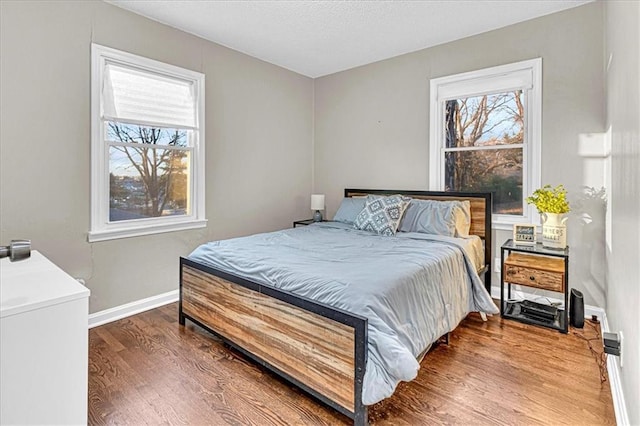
[(554, 230)]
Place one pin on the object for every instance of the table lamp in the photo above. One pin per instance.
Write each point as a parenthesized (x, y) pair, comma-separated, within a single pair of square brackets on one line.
[(317, 204)]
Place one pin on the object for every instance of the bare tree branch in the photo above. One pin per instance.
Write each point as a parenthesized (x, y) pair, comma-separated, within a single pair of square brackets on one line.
[(156, 166)]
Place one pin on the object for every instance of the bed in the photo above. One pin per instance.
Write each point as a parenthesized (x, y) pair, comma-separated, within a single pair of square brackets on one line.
[(305, 303)]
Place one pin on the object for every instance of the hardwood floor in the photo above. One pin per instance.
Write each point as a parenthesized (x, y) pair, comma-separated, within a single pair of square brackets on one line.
[(147, 369)]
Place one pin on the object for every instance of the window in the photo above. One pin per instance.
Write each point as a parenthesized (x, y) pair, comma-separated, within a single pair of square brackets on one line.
[(147, 152), (485, 136)]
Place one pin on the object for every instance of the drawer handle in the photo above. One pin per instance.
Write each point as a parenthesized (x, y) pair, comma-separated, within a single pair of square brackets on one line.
[(532, 278)]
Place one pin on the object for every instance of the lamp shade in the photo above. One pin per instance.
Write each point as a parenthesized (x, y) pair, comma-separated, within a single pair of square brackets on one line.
[(317, 201)]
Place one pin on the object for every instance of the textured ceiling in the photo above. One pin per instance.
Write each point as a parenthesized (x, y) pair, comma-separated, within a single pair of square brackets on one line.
[(317, 38)]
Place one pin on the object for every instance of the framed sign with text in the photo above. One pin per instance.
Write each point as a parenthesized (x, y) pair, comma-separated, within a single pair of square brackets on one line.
[(524, 234)]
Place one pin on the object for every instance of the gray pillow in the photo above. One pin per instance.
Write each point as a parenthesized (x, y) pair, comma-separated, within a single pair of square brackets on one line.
[(349, 209), (448, 218)]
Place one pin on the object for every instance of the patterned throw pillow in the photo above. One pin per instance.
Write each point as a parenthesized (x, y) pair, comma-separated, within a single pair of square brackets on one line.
[(382, 214)]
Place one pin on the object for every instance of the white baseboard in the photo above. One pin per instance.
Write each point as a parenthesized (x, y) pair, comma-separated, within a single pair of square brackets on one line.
[(613, 369), (132, 308)]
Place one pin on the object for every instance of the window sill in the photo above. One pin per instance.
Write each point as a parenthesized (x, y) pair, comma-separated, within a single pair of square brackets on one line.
[(506, 226), (138, 231)]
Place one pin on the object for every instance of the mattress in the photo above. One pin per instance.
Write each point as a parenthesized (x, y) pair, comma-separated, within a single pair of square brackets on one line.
[(412, 288)]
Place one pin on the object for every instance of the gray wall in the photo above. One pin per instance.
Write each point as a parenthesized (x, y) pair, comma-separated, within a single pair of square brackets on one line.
[(372, 122), (371, 130), (258, 149), (623, 222)]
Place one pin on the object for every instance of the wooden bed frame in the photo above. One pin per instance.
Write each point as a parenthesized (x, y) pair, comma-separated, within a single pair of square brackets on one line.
[(321, 349)]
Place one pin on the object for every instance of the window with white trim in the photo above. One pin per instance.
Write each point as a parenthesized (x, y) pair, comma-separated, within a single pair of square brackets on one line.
[(147, 146), (485, 130)]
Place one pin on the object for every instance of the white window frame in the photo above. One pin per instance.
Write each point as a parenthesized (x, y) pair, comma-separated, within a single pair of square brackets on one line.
[(101, 228), (525, 75)]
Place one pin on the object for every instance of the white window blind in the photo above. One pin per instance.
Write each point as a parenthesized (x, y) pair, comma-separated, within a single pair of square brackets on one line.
[(147, 99), (469, 84)]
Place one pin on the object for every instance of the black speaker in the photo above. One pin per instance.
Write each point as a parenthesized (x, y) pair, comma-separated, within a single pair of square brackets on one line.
[(576, 311)]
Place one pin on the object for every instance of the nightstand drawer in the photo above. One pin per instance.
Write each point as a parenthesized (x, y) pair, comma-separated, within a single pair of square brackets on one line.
[(547, 280), (535, 271)]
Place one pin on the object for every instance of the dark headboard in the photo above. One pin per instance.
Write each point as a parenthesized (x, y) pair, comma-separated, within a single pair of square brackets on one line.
[(481, 208)]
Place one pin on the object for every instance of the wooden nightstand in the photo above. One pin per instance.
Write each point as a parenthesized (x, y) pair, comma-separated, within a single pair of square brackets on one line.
[(538, 267)]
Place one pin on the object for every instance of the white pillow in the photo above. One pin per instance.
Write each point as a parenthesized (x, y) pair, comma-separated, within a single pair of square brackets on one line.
[(462, 218)]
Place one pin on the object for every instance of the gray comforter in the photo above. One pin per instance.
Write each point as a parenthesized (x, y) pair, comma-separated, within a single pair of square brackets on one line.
[(413, 288)]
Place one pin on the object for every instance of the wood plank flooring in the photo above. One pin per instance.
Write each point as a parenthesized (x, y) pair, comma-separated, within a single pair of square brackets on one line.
[(147, 369)]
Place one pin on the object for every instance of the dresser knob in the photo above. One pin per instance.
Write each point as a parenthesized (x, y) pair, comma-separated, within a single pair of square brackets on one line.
[(532, 278)]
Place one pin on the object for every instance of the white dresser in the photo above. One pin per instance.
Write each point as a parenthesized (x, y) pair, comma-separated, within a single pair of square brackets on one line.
[(43, 344)]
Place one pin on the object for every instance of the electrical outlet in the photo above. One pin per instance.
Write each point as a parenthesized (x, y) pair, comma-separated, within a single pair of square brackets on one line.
[(612, 343)]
